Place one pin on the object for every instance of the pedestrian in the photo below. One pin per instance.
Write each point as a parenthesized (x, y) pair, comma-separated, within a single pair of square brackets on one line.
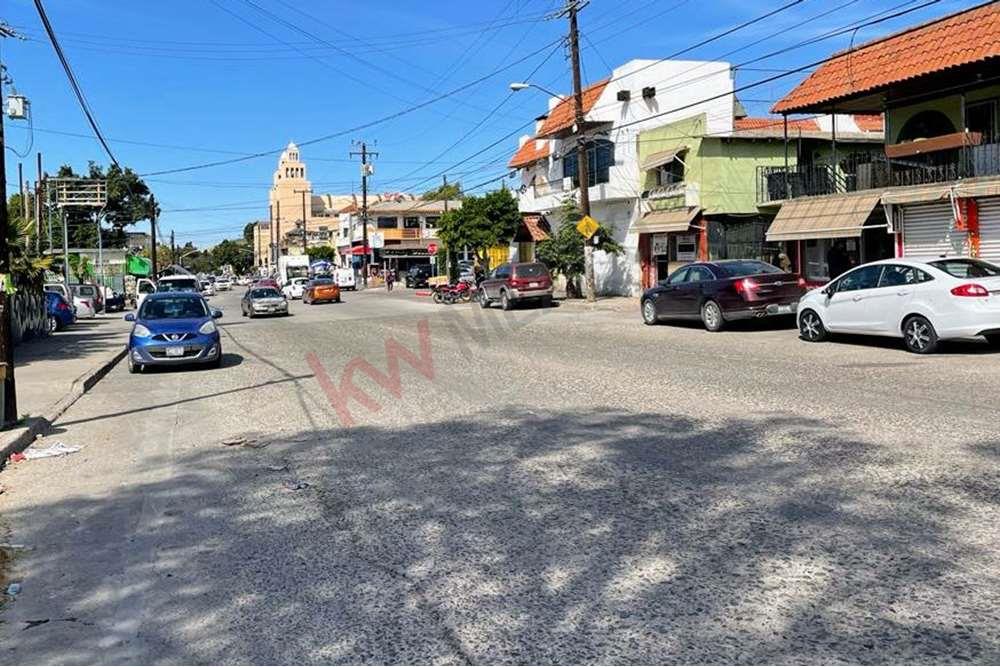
[(784, 263), (390, 278)]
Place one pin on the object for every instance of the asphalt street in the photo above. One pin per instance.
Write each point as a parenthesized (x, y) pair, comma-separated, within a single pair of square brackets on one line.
[(442, 484)]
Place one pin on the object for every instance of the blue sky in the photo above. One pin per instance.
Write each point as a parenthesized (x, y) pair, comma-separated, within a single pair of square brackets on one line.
[(186, 82)]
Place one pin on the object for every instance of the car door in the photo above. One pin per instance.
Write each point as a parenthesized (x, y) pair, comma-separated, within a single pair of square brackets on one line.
[(846, 307), (886, 304), (498, 280), (666, 298), (688, 295)]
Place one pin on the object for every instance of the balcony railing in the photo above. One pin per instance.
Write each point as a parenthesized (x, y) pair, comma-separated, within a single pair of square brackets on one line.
[(400, 234), (871, 171)]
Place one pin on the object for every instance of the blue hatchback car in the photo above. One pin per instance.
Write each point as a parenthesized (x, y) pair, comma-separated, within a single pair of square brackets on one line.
[(60, 312), (174, 328)]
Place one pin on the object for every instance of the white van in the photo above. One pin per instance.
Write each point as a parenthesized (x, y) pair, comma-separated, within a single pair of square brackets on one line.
[(178, 283), (344, 278)]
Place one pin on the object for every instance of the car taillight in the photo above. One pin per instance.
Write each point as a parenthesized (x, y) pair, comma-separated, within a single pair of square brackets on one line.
[(970, 289), (62, 305), (745, 285), (86, 303), (802, 282)]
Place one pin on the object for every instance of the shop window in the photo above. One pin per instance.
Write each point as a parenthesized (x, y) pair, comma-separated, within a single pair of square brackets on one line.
[(982, 117), (386, 223), (411, 223), (600, 159)]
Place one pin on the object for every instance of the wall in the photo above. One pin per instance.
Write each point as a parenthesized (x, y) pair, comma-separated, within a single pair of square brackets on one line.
[(949, 105), (28, 314)]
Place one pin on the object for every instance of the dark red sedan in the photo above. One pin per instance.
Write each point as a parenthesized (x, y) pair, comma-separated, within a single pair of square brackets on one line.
[(723, 291)]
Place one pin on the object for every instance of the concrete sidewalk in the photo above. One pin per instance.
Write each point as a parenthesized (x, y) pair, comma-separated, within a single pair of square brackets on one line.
[(52, 372)]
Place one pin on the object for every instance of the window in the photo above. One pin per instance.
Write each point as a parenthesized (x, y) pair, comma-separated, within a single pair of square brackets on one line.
[(670, 173), (431, 222), (967, 268), (531, 271), (173, 308), (679, 276), (896, 275), (502, 271), (600, 158), (738, 269), (386, 223), (411, 223), (697, 274), (982, 117), (864, 278)]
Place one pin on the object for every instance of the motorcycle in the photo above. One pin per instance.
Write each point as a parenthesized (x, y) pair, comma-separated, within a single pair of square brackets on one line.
[(463, 292)]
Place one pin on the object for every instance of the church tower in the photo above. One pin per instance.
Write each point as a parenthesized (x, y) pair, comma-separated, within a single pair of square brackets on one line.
[(288, 182)]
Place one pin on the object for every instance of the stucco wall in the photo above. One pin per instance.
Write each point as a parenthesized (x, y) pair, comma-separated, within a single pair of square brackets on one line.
[(949, 105)]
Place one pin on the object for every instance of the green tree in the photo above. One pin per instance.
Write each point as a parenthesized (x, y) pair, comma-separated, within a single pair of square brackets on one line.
[(235, 253), (563, 252), (443, 191), (82, 267), (329, 253), (481, 223), (27, 268), (129, 201), (248, 230)]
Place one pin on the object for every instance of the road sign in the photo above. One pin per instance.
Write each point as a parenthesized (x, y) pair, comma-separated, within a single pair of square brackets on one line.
[(377, 240), (432, 248), (587, 226)]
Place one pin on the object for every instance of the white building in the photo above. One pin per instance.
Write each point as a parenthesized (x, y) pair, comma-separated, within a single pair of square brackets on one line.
[(639, 95)]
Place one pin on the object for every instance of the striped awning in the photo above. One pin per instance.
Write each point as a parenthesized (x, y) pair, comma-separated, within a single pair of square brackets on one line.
[(663, 157), (834, 216), (674, 220)]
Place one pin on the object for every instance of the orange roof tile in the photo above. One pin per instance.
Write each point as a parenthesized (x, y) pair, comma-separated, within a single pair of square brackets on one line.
[(869, 122), (750, 123), (562, 116), (529, 153), (967, 37)]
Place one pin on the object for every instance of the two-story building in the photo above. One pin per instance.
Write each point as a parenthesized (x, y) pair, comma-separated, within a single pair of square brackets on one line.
[(639, 95), (402, 230), (934, 190), (699, 186)]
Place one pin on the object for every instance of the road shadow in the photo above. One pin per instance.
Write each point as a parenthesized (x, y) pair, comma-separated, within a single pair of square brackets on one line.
[(229, 360), (515, 536)]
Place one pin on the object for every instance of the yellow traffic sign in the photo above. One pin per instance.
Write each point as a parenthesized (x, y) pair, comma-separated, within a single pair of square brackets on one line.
[(587, 226)]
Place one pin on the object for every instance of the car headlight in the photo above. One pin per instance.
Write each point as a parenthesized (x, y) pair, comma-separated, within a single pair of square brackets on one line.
[(207, 328), (141, 331)]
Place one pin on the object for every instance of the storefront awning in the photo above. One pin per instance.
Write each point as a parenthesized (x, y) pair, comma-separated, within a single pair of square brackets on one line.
[(359, 250), (675, 220), (836, 216), (533, 228), (663, 157), (988, 187)]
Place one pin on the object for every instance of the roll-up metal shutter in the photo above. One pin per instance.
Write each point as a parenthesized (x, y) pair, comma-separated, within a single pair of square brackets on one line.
[(929, 231), (989, 229)]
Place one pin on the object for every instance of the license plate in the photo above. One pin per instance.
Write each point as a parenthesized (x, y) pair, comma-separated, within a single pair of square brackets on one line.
[(175, 351), (532, 284), (784, 310)]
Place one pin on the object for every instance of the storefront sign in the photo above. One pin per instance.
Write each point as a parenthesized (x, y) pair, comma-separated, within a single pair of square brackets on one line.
[(405, 252), (660, 244), (687, 247)]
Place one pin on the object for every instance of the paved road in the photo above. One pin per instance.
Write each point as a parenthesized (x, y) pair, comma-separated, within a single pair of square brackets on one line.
[(560, 485)]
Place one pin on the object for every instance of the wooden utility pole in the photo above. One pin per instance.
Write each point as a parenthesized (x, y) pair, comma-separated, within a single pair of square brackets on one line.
[(277, 232), (39, 188), (305, 231), (152, 227), (366, 171), (6, 343), (583, 168), (173, 248)]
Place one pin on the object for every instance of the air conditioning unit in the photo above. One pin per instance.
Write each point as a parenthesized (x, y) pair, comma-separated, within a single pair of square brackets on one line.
[(624, 96), (648, 92)]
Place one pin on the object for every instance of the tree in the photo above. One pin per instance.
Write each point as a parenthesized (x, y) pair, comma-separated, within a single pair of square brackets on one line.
[(234, 253), (248, 231), (481, 223), (324, 252), (563, 252), (27, 268), (129, 201), (444, 191), (82, 267)]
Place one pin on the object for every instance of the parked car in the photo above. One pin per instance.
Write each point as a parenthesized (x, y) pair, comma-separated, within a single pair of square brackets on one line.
[(510, 284), (173, 328), (60, 313), (178, 283), (466, 270), (224, 284), (113, 301), (416, 276), (723, 291), (207, 288), (84, 308), (295, 288), (263, 301), (143, 288), (321, 289), (91, 293), (922, 302), (345, 278)]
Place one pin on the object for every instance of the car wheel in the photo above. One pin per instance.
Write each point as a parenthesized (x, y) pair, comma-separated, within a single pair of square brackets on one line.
[(505, 302), (993, 340), (919, 335), (53, 324), (811, 327), (132, 366), (711, 316), (484, 301), (218, 361), (649, 313)]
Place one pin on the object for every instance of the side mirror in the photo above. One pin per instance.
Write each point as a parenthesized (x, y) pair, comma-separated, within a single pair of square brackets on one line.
[(216, 313), (829, 290), (130, 317)]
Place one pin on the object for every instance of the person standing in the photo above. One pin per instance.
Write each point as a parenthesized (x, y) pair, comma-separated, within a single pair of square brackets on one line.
[(390, 278)]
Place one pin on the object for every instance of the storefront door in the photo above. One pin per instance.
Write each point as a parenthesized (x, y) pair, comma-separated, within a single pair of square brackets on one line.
[(989, 229), (929, 231)]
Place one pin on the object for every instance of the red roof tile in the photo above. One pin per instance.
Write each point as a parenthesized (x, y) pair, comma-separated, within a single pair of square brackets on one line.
[(869, 122), (562, 116), (529, 153), (967, 37), (803, 124)]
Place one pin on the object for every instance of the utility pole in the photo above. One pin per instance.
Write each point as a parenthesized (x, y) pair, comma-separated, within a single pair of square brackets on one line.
[(366, 171), (277, 233), (152, 226), (173, 248), (270, 237), (6, 344), (39, 188), (305, 244), (65, 240), (447, 251), (583, 168), (20, 188)]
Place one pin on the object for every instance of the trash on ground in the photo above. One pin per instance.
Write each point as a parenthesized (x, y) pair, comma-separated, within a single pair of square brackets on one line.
[(16, 457), (296, 485), (55, 449), (243, 441), (31, 624), (14, 547), (13, 589)]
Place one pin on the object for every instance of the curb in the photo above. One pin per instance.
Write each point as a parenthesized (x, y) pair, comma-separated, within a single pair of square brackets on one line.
[(17, 440)]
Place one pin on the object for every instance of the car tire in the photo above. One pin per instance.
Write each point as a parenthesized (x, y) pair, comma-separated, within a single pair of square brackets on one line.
[(648, 310), (218, 361), (53, 324), (505, 302), (993, 340), (546, 302), (484, 301), (811, 327), (919, 335), (133, 367), (711, 316)]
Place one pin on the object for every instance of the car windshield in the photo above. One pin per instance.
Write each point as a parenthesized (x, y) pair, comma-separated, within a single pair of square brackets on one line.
[(530, 270), (84, 290), (739, 269), (321, 281), (178, 285), (967, 268), (176, 308), (264, 293)]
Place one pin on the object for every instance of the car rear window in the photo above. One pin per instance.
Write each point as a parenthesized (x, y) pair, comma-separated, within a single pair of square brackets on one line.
[(264, 293), (322, 281), (739, 269), (84, 290), (967, 268), (179, 285), (530, 271)]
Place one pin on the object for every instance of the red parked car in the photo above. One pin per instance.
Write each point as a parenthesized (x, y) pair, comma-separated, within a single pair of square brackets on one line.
[(267, 282), (723, 291), (513, 283)]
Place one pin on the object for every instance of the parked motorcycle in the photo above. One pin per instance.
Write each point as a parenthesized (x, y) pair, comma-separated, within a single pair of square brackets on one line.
[(463, 291)]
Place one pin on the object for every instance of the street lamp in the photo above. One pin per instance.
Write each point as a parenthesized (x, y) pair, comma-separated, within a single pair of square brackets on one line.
[(521, 85)]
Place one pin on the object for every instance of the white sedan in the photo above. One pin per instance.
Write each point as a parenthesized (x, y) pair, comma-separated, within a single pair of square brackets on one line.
[(296, 288), (920, 301)]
